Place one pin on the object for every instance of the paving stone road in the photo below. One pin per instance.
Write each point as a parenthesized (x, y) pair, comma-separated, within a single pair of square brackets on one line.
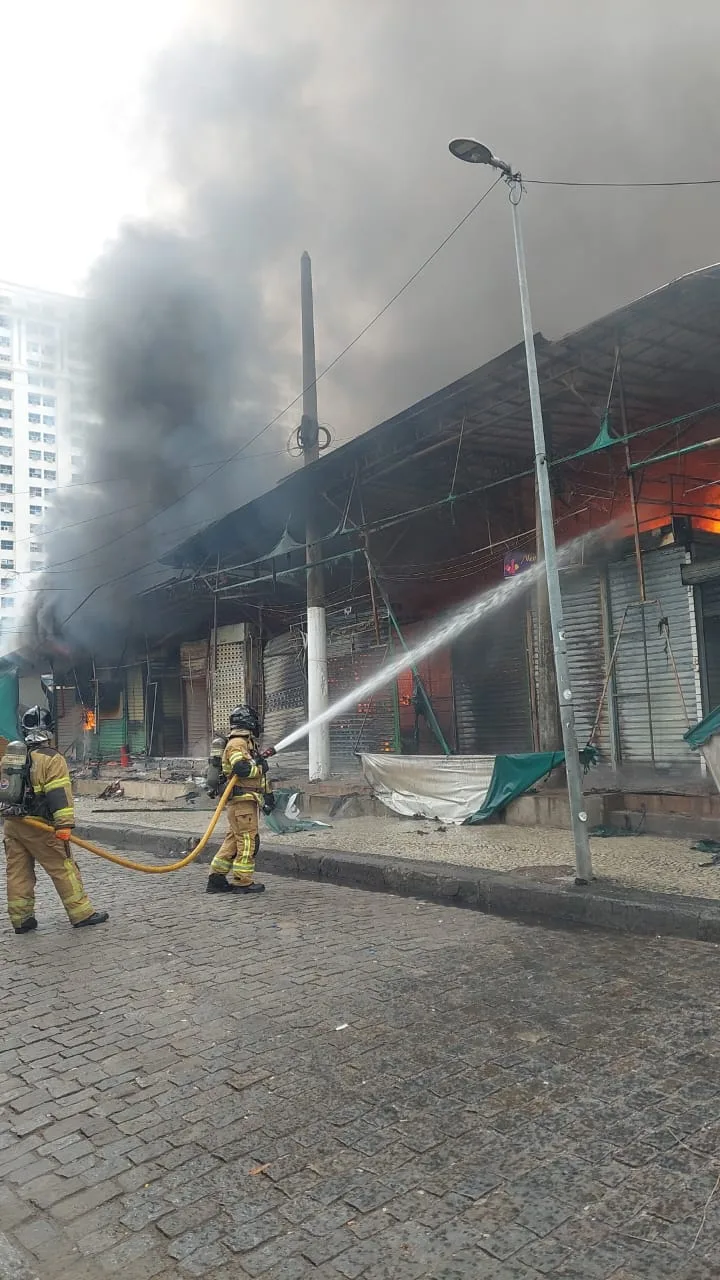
[(334, 1084)]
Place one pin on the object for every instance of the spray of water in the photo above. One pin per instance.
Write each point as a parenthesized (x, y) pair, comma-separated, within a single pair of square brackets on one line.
[(448, 628)]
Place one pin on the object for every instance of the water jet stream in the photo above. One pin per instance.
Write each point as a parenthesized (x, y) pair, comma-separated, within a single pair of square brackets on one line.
[(448, 628)]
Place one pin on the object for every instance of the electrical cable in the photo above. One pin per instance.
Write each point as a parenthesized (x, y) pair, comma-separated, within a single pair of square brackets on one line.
[(567, 182)]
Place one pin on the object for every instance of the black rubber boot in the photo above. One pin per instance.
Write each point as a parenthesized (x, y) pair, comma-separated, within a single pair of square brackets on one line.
[(218, 884), (27, 926), (97, 917), (255, 887)]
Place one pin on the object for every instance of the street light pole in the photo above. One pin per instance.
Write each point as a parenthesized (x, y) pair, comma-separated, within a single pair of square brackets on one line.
[(476, 153)]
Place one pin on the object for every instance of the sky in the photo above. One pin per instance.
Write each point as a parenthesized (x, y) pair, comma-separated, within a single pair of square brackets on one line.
[(73, 82), (246, 131)]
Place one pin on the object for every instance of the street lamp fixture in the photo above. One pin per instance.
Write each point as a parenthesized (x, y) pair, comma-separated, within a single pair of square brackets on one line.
[(473, 152)]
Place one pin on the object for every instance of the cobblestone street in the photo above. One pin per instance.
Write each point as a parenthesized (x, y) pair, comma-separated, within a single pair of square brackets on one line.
[(334, 1084)]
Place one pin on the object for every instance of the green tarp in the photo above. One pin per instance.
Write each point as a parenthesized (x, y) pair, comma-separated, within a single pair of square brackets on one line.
[(512, 777), (706, 729), (9, 694), (281, 824)]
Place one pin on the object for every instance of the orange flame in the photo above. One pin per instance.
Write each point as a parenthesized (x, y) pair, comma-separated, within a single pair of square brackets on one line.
[(88, 721)]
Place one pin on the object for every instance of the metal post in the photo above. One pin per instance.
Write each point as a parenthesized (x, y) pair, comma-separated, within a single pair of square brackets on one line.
[(319, 735), (578, 816)]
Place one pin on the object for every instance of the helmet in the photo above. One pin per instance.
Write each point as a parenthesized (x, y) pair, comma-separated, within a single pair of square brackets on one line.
[(245, 717), (37, 723)]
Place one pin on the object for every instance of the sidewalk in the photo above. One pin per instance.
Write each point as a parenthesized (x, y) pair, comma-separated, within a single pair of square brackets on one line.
[(504, 871)]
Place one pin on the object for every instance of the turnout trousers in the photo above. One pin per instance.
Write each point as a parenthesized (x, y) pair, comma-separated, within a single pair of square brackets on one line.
[(239, 848), (24, 847)]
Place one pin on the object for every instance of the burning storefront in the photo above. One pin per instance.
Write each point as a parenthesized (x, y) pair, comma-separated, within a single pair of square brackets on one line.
[(423, 512), (430, 506)]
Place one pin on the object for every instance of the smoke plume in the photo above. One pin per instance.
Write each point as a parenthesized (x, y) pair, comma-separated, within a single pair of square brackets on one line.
[(276, 128)]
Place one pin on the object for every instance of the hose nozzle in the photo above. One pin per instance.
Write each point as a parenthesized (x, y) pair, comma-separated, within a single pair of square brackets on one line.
[(268, 752)]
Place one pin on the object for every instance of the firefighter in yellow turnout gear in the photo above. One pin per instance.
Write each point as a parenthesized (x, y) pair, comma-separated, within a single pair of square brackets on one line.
[(241, 758), (48, 796)]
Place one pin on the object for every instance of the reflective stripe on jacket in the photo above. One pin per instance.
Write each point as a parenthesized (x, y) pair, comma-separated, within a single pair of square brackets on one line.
[(51, 786)]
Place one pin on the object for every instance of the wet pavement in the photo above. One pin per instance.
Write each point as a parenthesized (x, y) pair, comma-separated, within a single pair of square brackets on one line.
[(327, 1083)]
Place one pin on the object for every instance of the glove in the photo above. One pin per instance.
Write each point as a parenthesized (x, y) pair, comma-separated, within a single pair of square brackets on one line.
[(63, 833), (268, 803), (261, 762)]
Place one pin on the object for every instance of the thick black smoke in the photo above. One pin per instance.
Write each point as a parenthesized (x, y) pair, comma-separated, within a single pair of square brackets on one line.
[(324, 126), (164, 359)]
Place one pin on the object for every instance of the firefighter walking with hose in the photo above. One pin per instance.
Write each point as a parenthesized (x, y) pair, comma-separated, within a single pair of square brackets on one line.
[(35, 783), (239, 756)]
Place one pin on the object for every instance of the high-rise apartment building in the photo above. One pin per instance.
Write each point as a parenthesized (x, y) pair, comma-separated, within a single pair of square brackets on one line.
[(44, 413)]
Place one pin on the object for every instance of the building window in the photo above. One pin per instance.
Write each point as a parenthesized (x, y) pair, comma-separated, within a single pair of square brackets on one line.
[(7, 564), (49, 402), (51, 475), (34, 380), (6, 433), (6, 488), (36, 546), (35, 511), (34, 399), (35, 436), (5, 395), (35, 492), (4, 342), (7, 602), (7, 544), (49, 457), (5, 471), (34, 417), (6, 413), (6, 526), (5, 375), (5, 452), (35, 473), (5, 584), (49, 421), (35, 454), (6, 508)]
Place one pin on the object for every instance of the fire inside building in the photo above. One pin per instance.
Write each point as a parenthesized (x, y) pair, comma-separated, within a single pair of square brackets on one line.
[(424, 511)]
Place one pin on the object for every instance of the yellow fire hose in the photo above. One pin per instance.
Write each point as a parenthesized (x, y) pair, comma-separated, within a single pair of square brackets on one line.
[(156, 869)]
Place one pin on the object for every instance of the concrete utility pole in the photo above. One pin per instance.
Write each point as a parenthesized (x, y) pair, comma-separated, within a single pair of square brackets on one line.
[(319, 736), (474, 152)]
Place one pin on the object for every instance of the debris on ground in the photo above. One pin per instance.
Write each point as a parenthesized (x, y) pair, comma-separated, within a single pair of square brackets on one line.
[(113, 791), (708, 846)]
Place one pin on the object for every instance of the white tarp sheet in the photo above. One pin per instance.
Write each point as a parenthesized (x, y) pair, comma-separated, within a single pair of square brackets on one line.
[(450, 788)]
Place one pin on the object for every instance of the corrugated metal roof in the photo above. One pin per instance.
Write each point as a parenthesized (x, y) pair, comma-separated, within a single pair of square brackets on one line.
[(670, 341)]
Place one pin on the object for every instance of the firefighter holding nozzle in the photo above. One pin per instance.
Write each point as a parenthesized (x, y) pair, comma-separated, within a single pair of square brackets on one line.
[(35, 783), (239, 756)]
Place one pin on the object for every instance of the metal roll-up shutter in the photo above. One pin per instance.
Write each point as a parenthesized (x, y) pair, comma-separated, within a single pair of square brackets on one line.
[(193, 669), (135, 691), (491, 679), (369, 724), (285, 684), (710, 609), (229, 680), (169, 734), (650, 713), (585, 638), (69, 711)]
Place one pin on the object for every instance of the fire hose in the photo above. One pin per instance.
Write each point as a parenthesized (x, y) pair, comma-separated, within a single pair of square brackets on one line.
[(154, 869)]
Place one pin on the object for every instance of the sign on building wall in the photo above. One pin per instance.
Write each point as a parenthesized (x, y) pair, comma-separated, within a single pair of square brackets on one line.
[(518, 562)]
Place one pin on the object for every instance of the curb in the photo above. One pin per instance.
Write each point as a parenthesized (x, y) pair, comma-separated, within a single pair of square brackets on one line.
[(603, 906)]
